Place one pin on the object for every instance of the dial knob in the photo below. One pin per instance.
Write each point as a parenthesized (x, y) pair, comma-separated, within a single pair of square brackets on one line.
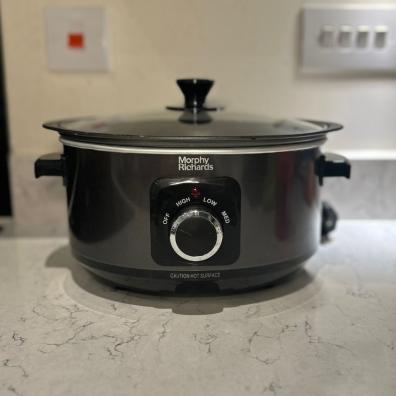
[(196, 235)]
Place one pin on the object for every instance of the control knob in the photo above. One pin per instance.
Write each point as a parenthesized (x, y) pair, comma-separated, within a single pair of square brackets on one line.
[(196, 235)]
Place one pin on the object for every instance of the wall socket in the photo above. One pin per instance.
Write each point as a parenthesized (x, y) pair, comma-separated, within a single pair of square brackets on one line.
[(348, 38), (77, 39)]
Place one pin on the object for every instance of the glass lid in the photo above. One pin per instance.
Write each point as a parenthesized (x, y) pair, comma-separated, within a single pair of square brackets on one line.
[(193, 125)]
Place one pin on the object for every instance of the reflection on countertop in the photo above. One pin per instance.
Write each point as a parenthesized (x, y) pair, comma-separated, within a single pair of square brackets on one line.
[(330, 329)]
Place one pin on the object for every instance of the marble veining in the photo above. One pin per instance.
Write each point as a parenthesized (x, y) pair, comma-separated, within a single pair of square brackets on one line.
[(329, 330)]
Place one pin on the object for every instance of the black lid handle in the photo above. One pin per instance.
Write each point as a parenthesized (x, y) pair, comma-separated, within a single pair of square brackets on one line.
[(195, 91)]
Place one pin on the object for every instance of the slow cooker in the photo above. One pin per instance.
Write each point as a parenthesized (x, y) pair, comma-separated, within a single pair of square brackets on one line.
[(193, 198)]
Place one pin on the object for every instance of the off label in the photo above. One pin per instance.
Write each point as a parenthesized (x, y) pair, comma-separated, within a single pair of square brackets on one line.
[(165, 220)]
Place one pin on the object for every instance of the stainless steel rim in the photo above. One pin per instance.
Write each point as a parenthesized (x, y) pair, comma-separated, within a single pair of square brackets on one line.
[(203, 151), (212, 220)]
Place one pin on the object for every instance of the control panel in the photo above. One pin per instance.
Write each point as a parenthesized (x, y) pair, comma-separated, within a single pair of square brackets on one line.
[(195, 221)]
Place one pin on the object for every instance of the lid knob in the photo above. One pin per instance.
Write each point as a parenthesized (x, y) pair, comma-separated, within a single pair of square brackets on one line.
[(195, 91)]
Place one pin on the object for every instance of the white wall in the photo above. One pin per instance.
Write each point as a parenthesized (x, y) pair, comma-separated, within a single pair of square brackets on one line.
[(248, 46)]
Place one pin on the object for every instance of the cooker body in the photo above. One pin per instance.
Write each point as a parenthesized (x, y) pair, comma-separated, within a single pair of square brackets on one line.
[(120, 226)]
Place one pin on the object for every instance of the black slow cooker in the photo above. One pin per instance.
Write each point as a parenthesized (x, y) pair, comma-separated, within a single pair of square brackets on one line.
[(193, 198)]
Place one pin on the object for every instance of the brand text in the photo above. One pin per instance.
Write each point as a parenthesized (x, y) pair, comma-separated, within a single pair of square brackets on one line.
[(194, 164)]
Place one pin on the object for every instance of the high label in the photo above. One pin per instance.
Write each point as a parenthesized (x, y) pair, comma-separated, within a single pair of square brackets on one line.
[(183, 201), (194, 164)]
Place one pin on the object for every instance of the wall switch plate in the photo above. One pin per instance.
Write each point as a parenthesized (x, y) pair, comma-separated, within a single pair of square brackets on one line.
[(77, 39), (348, 38)]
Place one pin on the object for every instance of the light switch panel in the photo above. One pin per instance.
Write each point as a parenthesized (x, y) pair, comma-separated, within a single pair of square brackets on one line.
[(76, 39), (348, 37)]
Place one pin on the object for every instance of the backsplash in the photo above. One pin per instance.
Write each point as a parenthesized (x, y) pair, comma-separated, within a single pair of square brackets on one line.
[(39, 206), (241, 44), (369, 194)]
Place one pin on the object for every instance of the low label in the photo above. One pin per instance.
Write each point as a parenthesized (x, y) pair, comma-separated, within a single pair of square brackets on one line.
[(194, 164), (210, 201)]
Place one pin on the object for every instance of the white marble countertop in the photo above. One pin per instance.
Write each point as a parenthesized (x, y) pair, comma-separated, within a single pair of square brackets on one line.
[(329, 330)]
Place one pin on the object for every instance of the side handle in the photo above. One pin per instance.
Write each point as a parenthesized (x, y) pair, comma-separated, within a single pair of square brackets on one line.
[(332, 165), (50, 165)]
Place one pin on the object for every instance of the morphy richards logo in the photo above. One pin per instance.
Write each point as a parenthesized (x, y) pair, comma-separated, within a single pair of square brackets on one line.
[(195, 164)]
